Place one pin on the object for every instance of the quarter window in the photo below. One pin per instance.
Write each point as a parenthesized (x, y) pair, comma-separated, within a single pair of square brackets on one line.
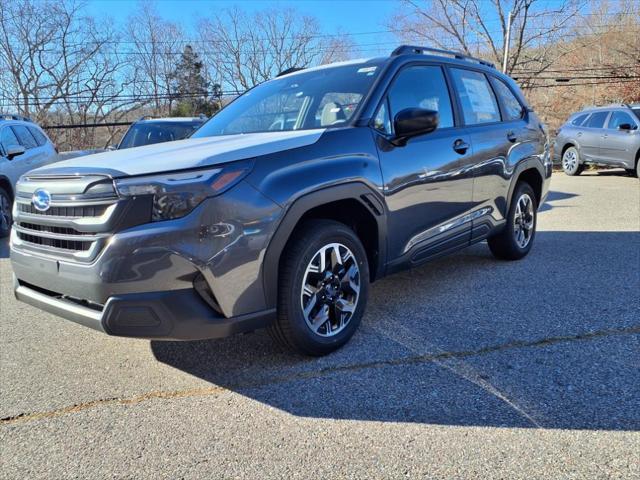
[(422, 87), (26, 139), (382, 122), (596, 120), (478, 101), (38, 135), (512, 107), (618, 118)]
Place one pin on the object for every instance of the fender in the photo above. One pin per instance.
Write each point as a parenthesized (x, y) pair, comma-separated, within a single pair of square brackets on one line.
[(353, 190), (527, 164)]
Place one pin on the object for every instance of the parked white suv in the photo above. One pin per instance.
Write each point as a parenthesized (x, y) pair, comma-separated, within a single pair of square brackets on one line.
[(23, 147)]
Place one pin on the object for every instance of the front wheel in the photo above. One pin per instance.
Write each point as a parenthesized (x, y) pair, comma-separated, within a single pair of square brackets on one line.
[(515, 241), (5, 213), (571, 162), (323, 288)]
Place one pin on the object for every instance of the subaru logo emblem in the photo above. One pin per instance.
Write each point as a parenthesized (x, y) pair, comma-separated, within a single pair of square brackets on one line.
[(41, 200)]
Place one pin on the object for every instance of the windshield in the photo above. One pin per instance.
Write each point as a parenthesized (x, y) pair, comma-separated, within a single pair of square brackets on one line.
[(156, 132), (316, 99)]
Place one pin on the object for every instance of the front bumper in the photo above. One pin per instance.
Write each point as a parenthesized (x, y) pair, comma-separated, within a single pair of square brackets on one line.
[(190, 278), (169, 315)]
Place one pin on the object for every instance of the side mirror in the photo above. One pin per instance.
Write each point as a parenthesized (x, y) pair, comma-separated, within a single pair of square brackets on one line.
[(411, 122), (111, 148), (14, 151), (625, 126)]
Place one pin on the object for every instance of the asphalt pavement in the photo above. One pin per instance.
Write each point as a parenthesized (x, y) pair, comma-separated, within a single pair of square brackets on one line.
[(467, 367)]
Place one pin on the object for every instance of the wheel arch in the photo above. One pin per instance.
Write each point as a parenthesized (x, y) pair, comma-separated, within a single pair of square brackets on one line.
[(6, 185), (354, 204), (532, 172)]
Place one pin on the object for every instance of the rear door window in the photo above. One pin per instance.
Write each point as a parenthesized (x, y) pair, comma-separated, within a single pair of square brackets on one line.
[(596, 120), (479, 104), (513, 109), (26, 139)]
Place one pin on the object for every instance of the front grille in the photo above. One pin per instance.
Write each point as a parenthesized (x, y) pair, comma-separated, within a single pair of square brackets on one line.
[(51, 229), (76, 226), (77, 212), (72, 245)]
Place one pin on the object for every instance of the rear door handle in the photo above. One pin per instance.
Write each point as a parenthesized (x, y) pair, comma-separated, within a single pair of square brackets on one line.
[(579, 134), (460, 146), (511, 137)]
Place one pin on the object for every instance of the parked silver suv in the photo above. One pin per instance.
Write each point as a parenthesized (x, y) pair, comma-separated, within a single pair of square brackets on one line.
[(23, 147), (608, 136)]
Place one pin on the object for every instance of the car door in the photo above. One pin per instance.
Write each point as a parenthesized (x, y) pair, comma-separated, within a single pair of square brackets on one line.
[(590, 136), (618, 146), (493, 141), (426, 190)]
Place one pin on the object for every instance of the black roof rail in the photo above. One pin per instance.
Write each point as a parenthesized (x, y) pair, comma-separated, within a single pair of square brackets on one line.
[(12, 116), (288, 71), (409, 49)]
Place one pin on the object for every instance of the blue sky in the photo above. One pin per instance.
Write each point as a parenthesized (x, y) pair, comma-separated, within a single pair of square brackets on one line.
[(333, 15)]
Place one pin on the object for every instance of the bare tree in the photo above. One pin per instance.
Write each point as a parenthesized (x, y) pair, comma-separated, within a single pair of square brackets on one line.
[(58, 63), (478, 27), (242, 50), (156, 45)]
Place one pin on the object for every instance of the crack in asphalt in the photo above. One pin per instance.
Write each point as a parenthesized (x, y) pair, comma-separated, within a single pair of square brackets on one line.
[(213, 390)]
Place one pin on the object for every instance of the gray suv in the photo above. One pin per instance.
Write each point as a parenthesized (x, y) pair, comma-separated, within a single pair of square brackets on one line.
[(281, 209), (606, 136), (23, 147)]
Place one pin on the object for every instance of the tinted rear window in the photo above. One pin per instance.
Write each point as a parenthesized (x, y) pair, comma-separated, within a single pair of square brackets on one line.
[(596, 120)]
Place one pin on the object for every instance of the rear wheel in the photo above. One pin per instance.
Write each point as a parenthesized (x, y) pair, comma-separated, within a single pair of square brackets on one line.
[(571, 162), (634, 171), (5, 213), (323, 288), (515, 241)]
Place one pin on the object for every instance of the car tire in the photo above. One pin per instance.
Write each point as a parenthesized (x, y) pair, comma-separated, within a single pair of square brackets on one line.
[(516, 239), (322, 290), (5, 213), (571, 162), (635, 172)]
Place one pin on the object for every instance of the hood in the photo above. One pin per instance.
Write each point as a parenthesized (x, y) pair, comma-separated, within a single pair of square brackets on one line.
[(182, 154)]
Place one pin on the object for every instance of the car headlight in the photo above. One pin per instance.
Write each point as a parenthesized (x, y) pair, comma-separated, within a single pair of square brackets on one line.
[(178, 193)]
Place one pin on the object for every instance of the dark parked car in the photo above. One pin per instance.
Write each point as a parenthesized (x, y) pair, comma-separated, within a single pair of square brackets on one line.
[(147, 130), (281, 209)]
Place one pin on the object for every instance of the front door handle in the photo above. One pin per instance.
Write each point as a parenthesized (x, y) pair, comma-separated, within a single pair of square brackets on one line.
[(460, 146), (579, 134), (512, 137)]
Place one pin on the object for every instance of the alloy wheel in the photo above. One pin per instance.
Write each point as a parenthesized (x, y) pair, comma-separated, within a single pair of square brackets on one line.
[(5, 213), (570, 161), (524, 220), (330, 290)]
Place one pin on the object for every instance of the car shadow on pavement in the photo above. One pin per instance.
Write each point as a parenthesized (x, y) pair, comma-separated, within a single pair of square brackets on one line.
[(554, 196), (551, 341)]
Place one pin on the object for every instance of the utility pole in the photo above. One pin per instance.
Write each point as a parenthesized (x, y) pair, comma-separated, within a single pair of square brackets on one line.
[(507, 41)]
